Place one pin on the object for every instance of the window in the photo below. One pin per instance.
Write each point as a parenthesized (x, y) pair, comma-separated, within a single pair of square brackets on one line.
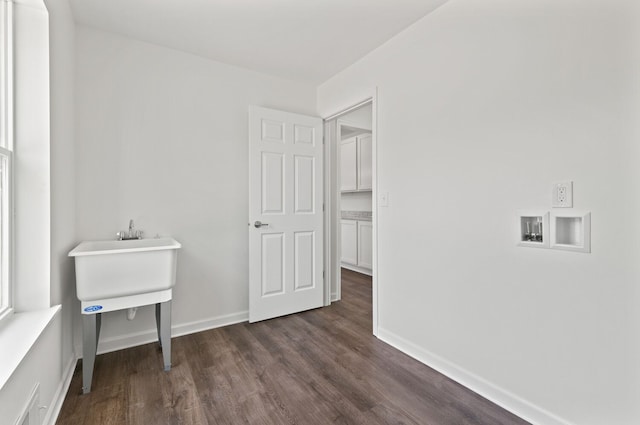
[(6, 152)]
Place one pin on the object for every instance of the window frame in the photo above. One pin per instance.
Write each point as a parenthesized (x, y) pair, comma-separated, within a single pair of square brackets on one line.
[(6, 156)]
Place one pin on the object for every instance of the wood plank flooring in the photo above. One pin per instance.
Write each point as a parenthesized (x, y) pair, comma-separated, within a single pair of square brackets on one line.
[(318, 367)]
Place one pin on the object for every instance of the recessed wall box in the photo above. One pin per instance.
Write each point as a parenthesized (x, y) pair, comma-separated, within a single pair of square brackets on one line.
[(571, 231), (533, 229)]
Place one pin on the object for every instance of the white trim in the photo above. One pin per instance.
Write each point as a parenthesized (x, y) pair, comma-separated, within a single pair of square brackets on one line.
[(374, 207), (134, 339), (32, 168), (8, 77), (6, 147), (503, 398), (328, 131), (61, 392), (30, 411), (332, 208), (5, 313)]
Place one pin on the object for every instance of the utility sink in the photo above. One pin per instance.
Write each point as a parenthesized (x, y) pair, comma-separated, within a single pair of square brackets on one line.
[(112, 269), (117, 275)]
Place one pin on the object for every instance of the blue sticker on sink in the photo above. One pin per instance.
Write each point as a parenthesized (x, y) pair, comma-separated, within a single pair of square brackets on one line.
[(93, 308)]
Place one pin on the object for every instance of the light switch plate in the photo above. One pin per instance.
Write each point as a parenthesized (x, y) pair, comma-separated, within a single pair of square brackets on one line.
[(562, 195)]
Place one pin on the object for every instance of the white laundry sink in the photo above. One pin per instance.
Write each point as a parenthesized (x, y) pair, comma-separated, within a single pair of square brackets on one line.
[(113, 269), (122, 274)]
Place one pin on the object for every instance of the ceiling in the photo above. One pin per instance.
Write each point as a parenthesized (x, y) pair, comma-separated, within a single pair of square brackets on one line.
[(304, 40)]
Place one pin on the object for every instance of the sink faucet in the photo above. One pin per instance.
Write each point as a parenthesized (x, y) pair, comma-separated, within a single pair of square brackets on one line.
[(131, 234)]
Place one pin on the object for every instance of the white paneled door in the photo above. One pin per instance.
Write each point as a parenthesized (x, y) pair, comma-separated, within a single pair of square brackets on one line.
[(285, 213)]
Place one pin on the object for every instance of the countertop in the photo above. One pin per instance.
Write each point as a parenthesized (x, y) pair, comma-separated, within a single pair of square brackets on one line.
[(356, 215)]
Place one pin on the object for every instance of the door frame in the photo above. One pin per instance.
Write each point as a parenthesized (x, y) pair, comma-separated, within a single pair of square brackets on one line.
[(332, 201)]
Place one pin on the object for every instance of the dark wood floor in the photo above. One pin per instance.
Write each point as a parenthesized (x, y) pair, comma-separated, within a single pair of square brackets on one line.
[(318, 367)]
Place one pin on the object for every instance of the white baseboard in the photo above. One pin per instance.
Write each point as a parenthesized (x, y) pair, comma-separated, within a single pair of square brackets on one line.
[(477, 384), (334, 297), (121, 342), (61, 393)]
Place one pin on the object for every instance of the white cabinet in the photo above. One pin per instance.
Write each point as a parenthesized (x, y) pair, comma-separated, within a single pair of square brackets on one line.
[(357, 245), (348, 159), (349, 234), (356, 155), (365, 244), (365, 159)]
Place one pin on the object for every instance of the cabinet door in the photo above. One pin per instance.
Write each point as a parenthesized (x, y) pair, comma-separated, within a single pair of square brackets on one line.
[(349, 234), (348, 179), (365, 244), (365, 162)]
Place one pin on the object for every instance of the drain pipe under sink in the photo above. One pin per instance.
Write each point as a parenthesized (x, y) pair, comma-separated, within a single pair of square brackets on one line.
[(131, 313)]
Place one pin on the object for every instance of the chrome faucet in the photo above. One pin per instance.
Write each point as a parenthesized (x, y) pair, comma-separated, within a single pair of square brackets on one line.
[(131, 234)]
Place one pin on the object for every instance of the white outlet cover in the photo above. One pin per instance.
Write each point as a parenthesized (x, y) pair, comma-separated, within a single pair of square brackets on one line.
[(562, 195)]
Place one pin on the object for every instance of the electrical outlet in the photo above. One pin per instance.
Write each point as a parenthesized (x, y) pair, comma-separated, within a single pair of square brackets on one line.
[(562, 195)]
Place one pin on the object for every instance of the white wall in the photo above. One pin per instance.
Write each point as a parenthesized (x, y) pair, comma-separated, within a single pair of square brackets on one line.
[(481, 106), (161, 137), (63, 182)]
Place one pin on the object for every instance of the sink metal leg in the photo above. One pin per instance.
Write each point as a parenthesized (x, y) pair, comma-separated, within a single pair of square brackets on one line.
[(90, 334), (158, 324), (98, 327), (163, 322)]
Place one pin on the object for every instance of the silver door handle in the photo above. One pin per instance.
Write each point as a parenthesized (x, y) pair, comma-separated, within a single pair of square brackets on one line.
[(259, 224)]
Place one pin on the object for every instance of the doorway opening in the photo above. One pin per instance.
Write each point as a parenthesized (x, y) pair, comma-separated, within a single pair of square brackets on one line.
[(350, 182)]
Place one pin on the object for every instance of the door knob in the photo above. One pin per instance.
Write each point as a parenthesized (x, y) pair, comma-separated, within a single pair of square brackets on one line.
[(259, 224)]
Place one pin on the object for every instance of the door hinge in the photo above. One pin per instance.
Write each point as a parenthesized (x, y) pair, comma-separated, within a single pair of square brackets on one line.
[(322, 207), (322, 274)]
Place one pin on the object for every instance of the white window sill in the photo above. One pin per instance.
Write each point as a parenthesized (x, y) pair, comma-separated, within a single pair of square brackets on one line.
[(18, 333)]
